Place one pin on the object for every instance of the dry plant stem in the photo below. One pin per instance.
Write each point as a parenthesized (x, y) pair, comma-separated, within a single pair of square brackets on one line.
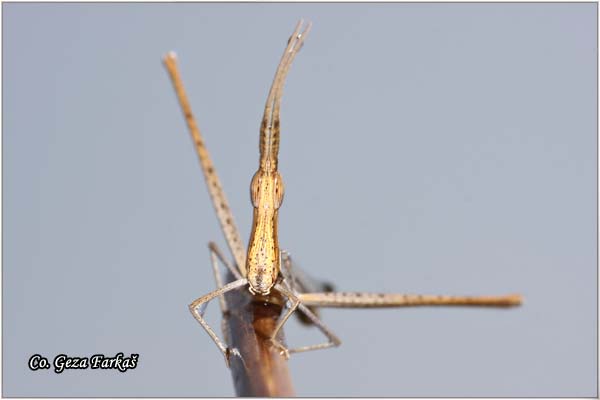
[(262, 371)]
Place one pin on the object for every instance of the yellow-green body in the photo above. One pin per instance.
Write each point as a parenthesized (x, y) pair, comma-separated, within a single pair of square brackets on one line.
[(263, 258)]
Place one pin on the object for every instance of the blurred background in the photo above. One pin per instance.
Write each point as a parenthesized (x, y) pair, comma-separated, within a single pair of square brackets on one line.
[(426, 148)]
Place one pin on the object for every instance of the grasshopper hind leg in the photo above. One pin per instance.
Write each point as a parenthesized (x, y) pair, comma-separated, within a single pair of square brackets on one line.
[(299, 281), (333, 340), (198, 306)]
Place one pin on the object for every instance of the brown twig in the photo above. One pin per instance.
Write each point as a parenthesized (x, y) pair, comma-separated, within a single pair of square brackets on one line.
[(261, 371)]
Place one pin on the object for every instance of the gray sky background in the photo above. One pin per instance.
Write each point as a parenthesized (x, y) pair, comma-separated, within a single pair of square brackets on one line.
[(426, 148)]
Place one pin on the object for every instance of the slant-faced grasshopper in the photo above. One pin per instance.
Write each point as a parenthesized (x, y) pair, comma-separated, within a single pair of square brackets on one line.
[(259, 267)]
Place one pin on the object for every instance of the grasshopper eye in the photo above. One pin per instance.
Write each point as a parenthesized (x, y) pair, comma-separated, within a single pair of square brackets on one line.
[(255, 189), (278, 191)]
